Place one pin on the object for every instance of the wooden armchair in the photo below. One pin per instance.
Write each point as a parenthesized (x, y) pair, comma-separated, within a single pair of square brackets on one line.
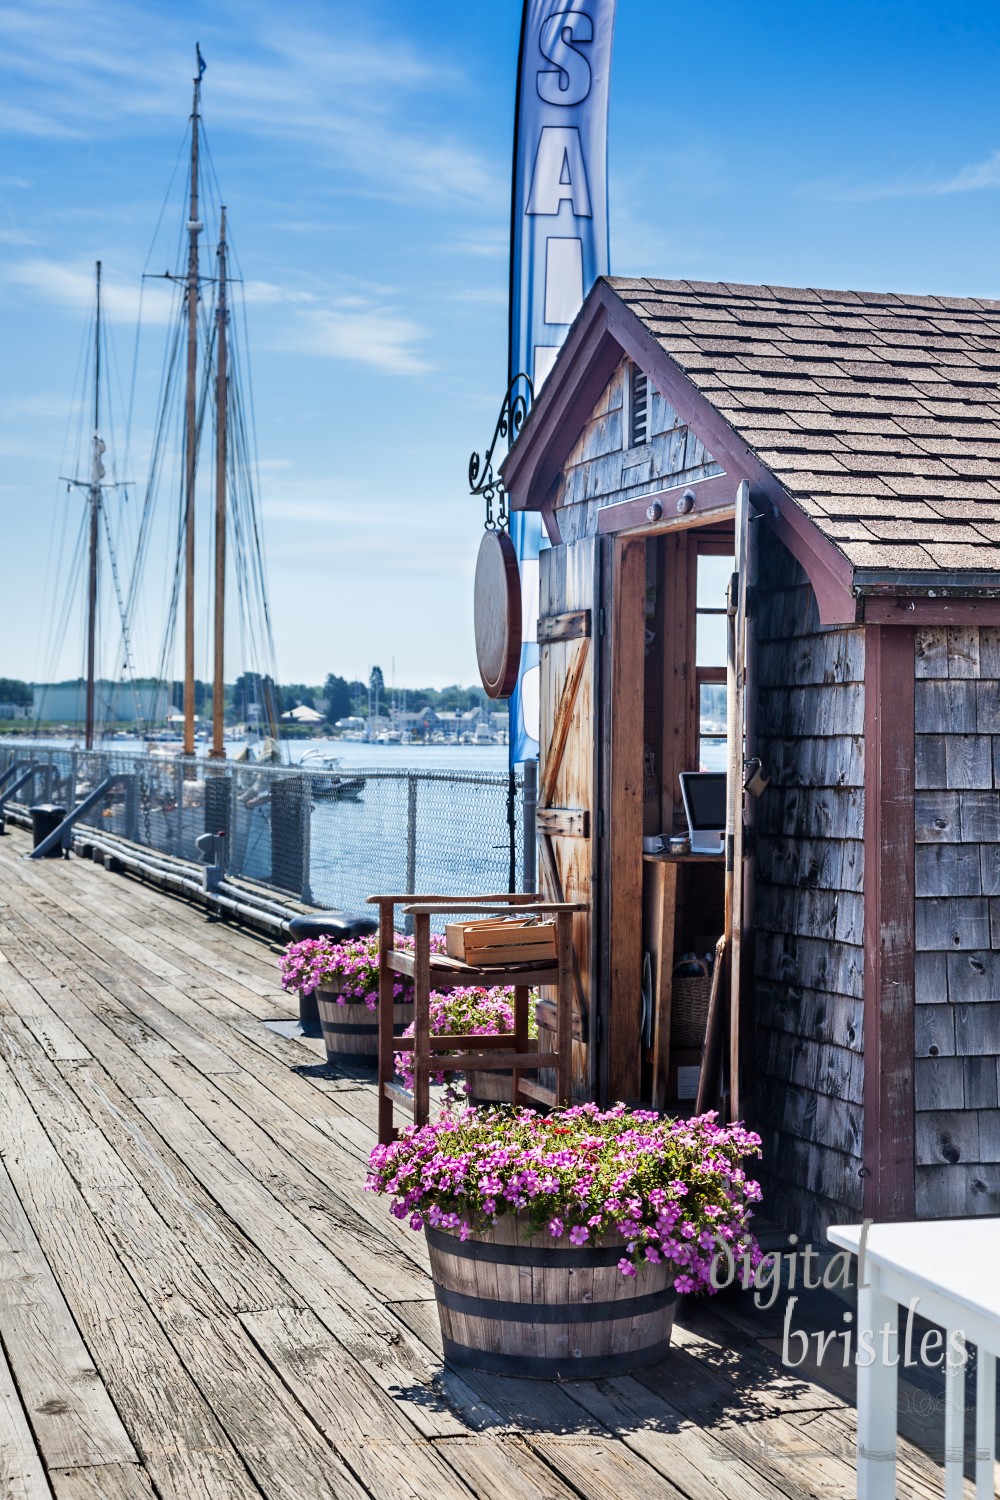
[(431, 971)]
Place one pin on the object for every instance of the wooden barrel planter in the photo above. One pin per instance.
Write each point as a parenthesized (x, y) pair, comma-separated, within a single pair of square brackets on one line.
[(350, 1031), (545, 1309)]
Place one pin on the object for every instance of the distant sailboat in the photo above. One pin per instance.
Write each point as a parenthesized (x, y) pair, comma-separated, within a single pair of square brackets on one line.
[(212, 382), (214, 372)]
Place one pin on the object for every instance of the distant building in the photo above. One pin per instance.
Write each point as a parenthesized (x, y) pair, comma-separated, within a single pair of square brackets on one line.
[(114, 702), (14, 711)]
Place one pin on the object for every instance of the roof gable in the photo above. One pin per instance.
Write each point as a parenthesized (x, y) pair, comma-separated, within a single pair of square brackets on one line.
[(877, 415)]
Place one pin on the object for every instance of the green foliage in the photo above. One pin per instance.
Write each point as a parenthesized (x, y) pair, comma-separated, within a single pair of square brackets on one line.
[(12, 690), (337, 692)]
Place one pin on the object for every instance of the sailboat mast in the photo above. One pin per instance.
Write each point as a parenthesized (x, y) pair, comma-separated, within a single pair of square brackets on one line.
[(94, 497), (191, 434), (221, 440)]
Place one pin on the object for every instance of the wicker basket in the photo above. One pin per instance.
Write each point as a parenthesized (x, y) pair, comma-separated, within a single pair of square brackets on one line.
[(689, 1006)]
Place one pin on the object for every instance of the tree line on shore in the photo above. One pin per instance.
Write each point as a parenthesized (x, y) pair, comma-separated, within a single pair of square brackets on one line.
[(335, 698)]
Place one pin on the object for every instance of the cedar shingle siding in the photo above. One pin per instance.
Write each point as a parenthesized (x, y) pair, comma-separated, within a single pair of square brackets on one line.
[(957, 978), (880, 414), (808, 914)]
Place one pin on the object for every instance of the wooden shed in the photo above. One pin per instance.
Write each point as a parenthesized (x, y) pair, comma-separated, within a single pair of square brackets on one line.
[(866, 984)]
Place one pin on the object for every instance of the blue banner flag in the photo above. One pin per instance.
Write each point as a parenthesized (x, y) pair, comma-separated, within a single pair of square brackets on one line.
[(558, 243), (202, 64)]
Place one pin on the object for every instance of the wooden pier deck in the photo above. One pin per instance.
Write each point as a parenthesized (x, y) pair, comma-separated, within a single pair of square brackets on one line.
[(198, 1301)]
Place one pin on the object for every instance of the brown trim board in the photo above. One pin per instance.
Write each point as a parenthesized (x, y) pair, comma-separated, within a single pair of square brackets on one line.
[(621, 734), (880, 610), (711, 499), (888, 1142)]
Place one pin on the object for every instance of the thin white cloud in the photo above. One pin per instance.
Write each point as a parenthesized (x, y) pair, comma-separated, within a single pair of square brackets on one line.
[(86, 69), (72, 285), (973, 178), (374, 336)]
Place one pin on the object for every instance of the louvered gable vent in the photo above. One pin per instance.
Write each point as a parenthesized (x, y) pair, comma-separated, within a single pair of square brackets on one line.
[(638, 407)]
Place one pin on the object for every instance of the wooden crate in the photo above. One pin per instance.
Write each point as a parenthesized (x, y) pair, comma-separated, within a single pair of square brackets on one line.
[(498, 941)]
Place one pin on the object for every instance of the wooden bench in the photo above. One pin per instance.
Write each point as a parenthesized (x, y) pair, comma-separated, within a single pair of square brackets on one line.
[(433, 971)]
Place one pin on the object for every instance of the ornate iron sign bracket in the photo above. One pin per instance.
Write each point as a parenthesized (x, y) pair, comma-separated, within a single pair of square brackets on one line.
[(483, 478)]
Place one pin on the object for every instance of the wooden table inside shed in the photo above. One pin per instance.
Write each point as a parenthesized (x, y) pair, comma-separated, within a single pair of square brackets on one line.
[(663, 919)]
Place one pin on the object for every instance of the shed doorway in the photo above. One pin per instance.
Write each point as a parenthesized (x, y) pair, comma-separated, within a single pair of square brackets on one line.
[(665, 711)]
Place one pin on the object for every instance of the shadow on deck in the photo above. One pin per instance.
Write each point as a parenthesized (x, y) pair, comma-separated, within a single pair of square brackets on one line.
[(198, 1300)]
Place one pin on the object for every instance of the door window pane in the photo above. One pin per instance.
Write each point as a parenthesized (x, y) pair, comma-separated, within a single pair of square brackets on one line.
[(714, 574), (711, 627), (712, 708), (712, 753), (710, 640)]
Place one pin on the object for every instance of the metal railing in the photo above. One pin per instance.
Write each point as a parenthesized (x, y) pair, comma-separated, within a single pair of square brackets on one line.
[(324, 837)]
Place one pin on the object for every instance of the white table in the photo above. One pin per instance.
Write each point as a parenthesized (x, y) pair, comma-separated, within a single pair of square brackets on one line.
[(952, 1268)]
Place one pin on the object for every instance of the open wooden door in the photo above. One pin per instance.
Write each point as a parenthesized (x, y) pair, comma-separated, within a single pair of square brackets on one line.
[(724, 1067), (565, 817)]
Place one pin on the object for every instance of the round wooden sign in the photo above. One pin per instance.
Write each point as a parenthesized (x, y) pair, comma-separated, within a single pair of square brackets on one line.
[(498, 614)]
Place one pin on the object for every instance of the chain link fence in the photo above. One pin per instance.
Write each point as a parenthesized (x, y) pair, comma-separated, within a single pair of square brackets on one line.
[(329, 838)]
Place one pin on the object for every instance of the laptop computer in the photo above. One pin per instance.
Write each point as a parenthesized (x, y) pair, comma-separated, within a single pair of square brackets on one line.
[(704, 794)]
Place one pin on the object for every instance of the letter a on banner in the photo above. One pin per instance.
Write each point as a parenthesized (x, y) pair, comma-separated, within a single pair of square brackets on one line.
[(558, 243)]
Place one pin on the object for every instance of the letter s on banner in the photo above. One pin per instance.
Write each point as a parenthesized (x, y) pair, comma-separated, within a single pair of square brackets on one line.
[(558, 239)]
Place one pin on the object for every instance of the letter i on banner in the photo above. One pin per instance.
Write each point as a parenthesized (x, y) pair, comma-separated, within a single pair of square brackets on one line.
[(558, 244)]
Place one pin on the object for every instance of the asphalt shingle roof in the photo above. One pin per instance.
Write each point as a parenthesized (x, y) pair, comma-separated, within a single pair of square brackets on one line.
[(879, 413)]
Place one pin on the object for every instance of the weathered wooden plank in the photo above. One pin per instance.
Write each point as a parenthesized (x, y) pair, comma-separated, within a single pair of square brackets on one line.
[(958, 1190), (939, 1083), (989, 651), (977, 1028), (160, 1405), (829, 864), (798, 712), (931, 651), (829, 914), (832, 658), (973, 977), (937, 817), (338, 1299), (945, 707), (930, 768), (359, 1421), (968, 760), (813, 813), (814, 964), (934, 1030), (109, 1482), (963, 650), (568, 626), (947, 1136), (563, 822), (980, 817), (989, 1133), (930, 975), (22, 1476), (835, 760), (981, 1086), (74, 1420), (948, 870), (988, 706), (823, 1017), (952, 922)]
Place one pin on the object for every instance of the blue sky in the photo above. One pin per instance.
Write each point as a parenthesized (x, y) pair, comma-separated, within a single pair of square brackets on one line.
[(364, 155)]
